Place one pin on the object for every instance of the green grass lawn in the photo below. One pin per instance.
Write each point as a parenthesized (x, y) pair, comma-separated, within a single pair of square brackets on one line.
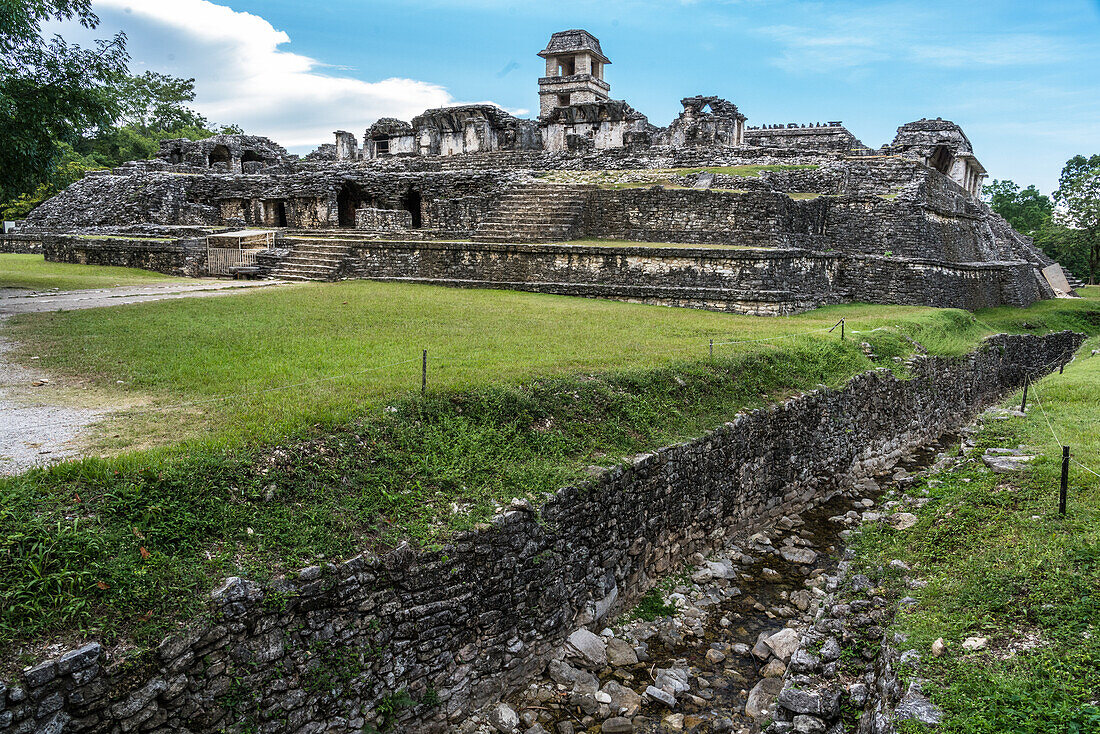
[(358, 344), (525, 392), (1003, 564), (35, 273)]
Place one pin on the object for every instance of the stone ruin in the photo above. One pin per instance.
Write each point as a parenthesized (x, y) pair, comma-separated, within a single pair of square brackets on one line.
[(827, 220)]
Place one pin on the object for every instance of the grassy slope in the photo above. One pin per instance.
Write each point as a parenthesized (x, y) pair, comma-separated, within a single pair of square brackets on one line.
[(33, 272), (1001, 563), (72, 538), (370, 336)]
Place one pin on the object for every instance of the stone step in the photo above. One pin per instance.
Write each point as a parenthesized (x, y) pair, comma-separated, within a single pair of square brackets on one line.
[(525, 230), (325, 267), (525, 219), (313, 257)]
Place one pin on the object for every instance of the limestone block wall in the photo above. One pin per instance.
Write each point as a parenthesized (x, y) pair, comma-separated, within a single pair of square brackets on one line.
[(20, 243), (765, 282), (752, 218), (183, 257), (383, 220), (328, 648)]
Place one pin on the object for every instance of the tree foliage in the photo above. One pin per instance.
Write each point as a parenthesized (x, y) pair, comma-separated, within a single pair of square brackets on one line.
[(1078, 198), (65, 109), (51, 92), (1027, 210)]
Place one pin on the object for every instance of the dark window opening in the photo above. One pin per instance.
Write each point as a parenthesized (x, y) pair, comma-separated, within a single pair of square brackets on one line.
[(176, 156), (413, 204), (595, 68), (566, 66), (382, 146), (349, 198), (941, 159), (220, 154), (563, 100), (251, 155)]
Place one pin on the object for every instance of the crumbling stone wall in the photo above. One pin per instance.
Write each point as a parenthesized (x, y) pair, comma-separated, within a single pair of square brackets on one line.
[(306, 197), (25, 244), (814, 136), (328, 648), (763, 282), (182, 257)]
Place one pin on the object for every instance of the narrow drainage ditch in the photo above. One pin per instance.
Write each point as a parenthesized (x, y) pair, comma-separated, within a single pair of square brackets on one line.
[(723, 650)]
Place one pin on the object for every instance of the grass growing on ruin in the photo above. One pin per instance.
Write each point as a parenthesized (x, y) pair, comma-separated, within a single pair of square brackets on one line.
[(1002, 564), (526, 393), (35, 273)]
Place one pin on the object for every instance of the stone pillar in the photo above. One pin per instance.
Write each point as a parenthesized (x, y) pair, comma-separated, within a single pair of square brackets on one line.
[(347, 147)]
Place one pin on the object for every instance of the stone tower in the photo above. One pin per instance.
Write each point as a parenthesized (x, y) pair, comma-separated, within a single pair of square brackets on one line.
[(574, 71)]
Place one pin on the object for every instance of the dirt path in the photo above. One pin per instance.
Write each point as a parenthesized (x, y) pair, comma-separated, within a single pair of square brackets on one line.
[(35, 429), (14, 300)]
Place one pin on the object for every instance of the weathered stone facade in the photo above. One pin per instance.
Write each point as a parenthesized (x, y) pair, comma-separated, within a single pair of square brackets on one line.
[(325, 649), (477, 172), (759, 282)]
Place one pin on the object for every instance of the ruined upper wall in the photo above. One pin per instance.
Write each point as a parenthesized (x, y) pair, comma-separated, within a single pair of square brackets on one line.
[(828, 136), (224, 153)]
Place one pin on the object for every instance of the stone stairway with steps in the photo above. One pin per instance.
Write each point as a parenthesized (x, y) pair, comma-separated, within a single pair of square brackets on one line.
[(538, 212), (311, 260)]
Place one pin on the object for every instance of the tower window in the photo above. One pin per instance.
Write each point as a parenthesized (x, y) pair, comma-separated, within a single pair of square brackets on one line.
[(566, 66), (563, 100)]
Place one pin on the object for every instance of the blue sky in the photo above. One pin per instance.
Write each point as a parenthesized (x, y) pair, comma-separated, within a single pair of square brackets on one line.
[(1022, 78)]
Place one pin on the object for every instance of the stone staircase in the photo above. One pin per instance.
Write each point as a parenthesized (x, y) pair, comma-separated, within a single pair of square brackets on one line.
[(538, 212), (311, 260), (1074, 282)]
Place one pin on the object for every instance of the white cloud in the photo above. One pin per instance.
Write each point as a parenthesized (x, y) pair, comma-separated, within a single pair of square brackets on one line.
[(830, 39), (243, 74)]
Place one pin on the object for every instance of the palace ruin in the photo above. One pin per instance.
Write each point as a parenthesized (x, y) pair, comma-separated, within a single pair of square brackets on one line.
[(769, 219)]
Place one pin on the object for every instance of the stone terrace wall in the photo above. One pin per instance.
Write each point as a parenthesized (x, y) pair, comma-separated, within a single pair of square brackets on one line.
[(754, 218), (765, 282), (325, 650), (172, 257), (20, 243)]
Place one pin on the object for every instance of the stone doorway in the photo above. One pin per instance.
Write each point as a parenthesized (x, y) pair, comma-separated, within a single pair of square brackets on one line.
[(413, 204), (349, 198)]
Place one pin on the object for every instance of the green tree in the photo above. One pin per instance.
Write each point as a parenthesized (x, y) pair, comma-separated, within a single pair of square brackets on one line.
[(51, 92), (1027, 210), (155, 102), (1078, 198), (152, 107)]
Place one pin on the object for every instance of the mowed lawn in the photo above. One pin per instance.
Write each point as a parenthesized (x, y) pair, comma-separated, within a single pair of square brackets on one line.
[(34, 273), (266, 364)]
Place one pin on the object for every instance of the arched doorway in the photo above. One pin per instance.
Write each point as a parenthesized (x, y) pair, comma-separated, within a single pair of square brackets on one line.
[(176, 156), (349, 198), (219, 154), (413, 205)]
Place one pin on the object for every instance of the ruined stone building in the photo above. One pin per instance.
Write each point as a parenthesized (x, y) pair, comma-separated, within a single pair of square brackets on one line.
[(473, 196)]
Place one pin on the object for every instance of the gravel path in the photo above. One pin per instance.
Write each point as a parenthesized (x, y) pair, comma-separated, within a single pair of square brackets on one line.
[(34, 429), (14, 300)]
